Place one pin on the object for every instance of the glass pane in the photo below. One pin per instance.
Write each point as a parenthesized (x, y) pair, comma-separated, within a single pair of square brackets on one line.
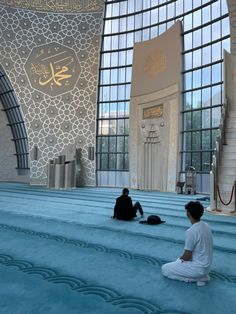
[(216, 30), (216, 73), (196, 161), (206, 118), (126, 162), (188, 141), (104, 147), (197, 18), (107, 43), (196, 120), (120, 162), (115, 25), (206, 140), (216, 95), (206, 14), (126, 109), (170, 10), (206, 97), (225, 27), (179, 7), (197, 38), (197, 58), (130, 40), (188, 80), (215, 10), (196, 99), (120, 126), (214, 134), (146, 18), (113, 76), (206, 76), (129, 55), (104, 110), (126, 126), (187, 121), (206, 35), (122, 41), (122, 75), (188, 41), (99, 161), (126, 144), (216, 52), (104, 161), (188, 5), (123, 8), (162, 13), (188, 20), (187, 101), (224, 7), (114, 59), (112, 144), (206, 161), (130, 22), (112, 127), (216, 115), (112, 161), (114, 42), (120, 144), (122, 58), (121, 109), (154, 16), (196, 140), (188, 62), (113, 109), (188, 159), (130, 6), (197, 78), (107, 28), (106, 59), (206, 55), (128, 74), (113, 92)]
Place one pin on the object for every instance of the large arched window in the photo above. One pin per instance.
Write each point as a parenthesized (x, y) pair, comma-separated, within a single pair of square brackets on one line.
[(205, 35)]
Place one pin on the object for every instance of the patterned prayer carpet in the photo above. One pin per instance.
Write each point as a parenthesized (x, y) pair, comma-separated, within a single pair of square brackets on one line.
[(61, 253)]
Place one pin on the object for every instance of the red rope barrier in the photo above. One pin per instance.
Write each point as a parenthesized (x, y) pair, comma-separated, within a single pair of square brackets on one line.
[(231, 196)]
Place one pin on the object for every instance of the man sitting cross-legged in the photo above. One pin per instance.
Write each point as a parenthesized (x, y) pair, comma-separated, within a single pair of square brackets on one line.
[(124, 209), (194, 265)]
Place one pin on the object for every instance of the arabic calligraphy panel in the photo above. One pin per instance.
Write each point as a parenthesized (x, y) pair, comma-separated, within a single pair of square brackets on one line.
[(53, 69), (153, 112), (57, 6)]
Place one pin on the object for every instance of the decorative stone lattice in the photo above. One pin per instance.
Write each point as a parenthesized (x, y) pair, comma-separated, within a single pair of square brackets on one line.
[(56, 123)]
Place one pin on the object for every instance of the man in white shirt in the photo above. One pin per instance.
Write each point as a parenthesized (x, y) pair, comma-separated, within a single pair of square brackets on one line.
[(195, 263)]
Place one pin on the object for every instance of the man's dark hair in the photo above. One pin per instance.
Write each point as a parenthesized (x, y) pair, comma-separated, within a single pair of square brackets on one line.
[(125, 191), (195, 209)]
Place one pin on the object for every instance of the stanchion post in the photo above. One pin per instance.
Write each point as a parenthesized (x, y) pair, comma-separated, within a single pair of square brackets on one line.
[(234, 196)]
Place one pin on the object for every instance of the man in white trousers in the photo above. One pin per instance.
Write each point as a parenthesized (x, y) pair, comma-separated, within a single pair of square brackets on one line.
[(195, 263)]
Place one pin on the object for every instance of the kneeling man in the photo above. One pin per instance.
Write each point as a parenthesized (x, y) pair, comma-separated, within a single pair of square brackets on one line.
[(195, 263)]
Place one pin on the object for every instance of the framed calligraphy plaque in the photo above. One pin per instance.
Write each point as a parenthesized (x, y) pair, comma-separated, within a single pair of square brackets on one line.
[(52, 69), (153, 112)]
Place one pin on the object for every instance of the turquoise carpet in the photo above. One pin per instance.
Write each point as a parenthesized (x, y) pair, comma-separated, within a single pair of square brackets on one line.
[(61, 253)]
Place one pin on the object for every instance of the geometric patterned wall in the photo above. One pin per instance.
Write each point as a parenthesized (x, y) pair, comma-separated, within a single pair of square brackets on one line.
[(57, 123), (8, 171)]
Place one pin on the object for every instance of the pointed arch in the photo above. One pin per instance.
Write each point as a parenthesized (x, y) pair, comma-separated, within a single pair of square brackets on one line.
[(16, 122)]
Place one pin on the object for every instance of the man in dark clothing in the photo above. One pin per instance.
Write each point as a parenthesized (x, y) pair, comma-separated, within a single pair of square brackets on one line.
[(124, 209)]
